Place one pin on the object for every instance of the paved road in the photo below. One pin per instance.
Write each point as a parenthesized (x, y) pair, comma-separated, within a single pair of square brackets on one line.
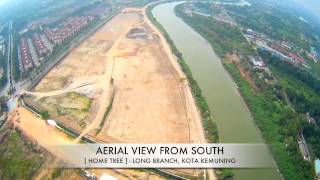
[(5, 90)]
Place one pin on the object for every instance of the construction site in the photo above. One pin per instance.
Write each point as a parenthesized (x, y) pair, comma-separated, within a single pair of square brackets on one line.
[(121, 85)]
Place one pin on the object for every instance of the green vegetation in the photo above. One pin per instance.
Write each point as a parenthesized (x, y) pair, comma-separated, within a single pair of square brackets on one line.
[(105, 115), (280, 22), (315, 67), (64, 173), (223, 37), (224, 173), (210, 127), (227, 173), (301, 75), (44, 115), (56, 173), (71, 105), (278, 124), (80, 99), (14, 57), (277, 21), (19, 159), (304, 97)]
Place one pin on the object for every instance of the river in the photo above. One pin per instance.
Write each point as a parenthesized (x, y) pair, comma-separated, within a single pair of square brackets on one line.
[(229, 111)]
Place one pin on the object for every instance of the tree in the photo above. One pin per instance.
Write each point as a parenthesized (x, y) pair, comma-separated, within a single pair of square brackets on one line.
[(44, 115), (227, 173)]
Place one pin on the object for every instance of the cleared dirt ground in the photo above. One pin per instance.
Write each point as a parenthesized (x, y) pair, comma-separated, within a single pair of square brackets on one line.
[(37, 130), (81, 73), (152, 101), (124, 174), (88, 60), (128, 60), (148, 105)]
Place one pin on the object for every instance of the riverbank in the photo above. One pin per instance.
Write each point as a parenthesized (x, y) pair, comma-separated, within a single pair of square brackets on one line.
[(211, 131), (206, 123), (267, 109), (227, 106)]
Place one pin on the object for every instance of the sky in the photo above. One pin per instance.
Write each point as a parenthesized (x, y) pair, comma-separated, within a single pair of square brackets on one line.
[(311, 5), (2, 2)]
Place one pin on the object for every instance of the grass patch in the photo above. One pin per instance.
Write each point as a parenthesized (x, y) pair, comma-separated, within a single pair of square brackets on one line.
[(56, 173), (18, 158), (71, 105), (83, 100)]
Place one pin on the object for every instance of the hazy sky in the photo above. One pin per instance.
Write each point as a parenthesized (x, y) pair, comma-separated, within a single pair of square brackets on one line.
[(311, 5), (3, 2)]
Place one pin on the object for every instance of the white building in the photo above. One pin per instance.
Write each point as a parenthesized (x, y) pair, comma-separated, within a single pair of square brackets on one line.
[(107, 177), (257, 62), (2, 49), (2, 46)]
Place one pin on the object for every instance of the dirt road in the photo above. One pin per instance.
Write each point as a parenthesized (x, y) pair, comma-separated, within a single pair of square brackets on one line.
[(105, 97)]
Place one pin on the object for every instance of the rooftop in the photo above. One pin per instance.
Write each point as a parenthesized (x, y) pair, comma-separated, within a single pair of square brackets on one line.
[(256, 61)]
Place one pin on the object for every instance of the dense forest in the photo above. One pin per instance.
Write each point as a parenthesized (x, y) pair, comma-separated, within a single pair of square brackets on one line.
[(296, 72), (303, 93)]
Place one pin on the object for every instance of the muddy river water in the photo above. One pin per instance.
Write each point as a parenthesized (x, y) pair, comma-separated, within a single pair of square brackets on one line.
[(233, 119)]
